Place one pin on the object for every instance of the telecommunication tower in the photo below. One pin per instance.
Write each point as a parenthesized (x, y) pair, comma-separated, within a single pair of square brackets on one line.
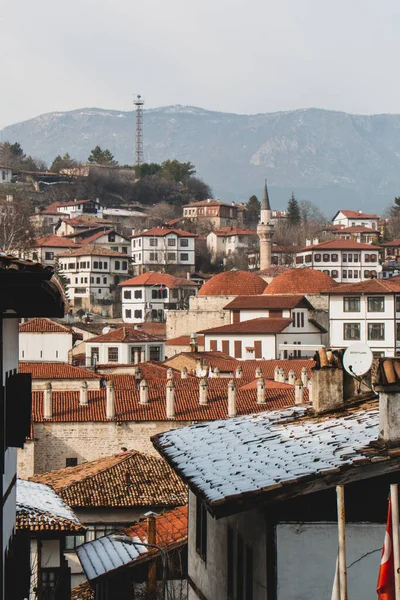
[(139, 102)]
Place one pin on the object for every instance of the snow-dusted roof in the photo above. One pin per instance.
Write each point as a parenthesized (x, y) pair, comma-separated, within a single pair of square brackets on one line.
[(103, 555), (227, 462), (33, 497)]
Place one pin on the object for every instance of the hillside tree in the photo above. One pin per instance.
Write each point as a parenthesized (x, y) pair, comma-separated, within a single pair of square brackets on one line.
[(293, 211), (63, 162), (253, 207), (177, 171), (99, 156)]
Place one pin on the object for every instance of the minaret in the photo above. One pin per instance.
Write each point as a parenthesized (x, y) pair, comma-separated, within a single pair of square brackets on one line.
[(265, 231)]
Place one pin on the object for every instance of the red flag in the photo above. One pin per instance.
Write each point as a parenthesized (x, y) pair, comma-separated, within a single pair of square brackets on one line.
[(385, 587)]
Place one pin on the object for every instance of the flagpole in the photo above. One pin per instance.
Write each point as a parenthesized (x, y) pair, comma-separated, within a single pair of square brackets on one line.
[(342, 542), (394, 495)]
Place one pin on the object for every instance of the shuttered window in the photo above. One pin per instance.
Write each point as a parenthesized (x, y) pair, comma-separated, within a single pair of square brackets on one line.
[(238, 349), (225, 346), (213, 345), (258, 349)]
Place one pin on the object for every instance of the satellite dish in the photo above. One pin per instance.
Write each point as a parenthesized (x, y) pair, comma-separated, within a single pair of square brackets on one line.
[(105, 330), (357, 359)]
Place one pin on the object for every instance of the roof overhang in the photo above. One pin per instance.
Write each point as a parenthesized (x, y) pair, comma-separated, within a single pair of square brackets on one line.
[(30, 294)]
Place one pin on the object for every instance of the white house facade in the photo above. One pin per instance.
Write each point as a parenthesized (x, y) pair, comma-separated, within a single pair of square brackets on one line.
[(93, 274), (47, 248), (343, 260), (354, 218), (161, 247), (225, 242), (149, 296), (44, 340), (5, 174), (124, 346), (76, 208), (367, 312), (106, 238)]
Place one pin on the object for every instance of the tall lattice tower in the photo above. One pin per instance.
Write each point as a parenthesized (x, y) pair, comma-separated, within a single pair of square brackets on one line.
[(139, 102)]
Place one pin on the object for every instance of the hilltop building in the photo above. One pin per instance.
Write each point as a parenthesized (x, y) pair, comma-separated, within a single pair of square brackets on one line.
[(355, 218), (214, 213), (224, 243), (5, 174), (163, 248)]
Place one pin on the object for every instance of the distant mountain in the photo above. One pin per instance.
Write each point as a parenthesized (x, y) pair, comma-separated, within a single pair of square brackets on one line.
[(335, 159)]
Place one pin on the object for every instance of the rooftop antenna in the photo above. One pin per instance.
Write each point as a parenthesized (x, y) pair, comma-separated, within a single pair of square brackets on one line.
[(139, 102)]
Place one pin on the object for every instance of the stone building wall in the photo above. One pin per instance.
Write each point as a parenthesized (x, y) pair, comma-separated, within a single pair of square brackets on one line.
[(204, 312)]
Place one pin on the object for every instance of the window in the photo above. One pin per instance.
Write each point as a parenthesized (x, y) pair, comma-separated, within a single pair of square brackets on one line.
[(138, 294), (153, 256), (344, 274), (376, 304), (171, 242), (124, 249), (239, 567), (317, 258), (124, 265), (71, 462), (184, 243), (155, 353), (201, 529), (351, 331), (351, 304), (111, 237), (128, 313), (231, 567), (326, 257), (171, 256), (335, 273), (184, 257), (112, 354), (117, 265), (98, 280), (344, 257), (334, 258), (104, 279), (127, 294), (326, 271), (49, 255), (350, 274), (350, 258), (105, 265), (153, 242), (138, 314), (298, 319), (96, 264), (398, 304), (376, 331), (378, 354), (299, 260), (356, 257)]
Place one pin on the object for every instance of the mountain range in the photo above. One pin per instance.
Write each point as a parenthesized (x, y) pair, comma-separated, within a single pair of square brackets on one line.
[(335, 159)]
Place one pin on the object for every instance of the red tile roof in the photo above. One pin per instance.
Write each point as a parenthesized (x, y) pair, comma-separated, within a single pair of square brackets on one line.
[(66, 408), (355, 229), (5, 167), (87, 221), (184, 340), (43, 325), (152, 278), (339, 245), (83, 591), (300, 281), (228, 231), (394, 243), (124, 334), (253, 326), (89, 240), (275, 302), (268, 367), (162, 231), (51, 209), (270, 384), (55, 371), (233, 283), (91, 250), (54, 241), (37, 520), (171, 529), (126, 479), (208, 202), (213, 358), (369, 286), (354, 214)]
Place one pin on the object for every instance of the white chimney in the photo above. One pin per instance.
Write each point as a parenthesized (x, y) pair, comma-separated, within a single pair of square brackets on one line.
[(203, 388), (277, 374), (170, 398), (232, 399), (304, 376), (291, 377), (258, 372), (170, 373), (83, 394), (298, 392), (217, 372), (48, 401), (143, 392), (239, 373), (110, 400), (282, 376), (260, 391), (184, 373)]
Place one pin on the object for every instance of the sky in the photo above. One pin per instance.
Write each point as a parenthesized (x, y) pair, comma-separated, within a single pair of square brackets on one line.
[(243, 56)]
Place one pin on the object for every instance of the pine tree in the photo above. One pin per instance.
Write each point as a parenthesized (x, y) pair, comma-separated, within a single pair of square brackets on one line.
[(253, 210), (102, 157), (293, 211)]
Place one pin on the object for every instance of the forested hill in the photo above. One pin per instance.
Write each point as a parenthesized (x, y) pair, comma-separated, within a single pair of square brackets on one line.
[(331, 158)]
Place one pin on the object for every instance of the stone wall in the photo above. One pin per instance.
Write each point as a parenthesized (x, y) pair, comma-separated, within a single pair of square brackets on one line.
[(55, 442), (204, 312)]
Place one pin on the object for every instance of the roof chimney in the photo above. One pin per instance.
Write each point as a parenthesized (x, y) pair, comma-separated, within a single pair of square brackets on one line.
[(110, 400), (217, 373), (304, 376), (232, 399), (260, 391), (83, 394), (170, 398), (184, 373), (203, 388), (47, 401), (277, 373), (258, 372), (298, 392), (170, 373), (239, 372), (389, 422), (291, 377), (327, 390), (143, 392), (282, 376)]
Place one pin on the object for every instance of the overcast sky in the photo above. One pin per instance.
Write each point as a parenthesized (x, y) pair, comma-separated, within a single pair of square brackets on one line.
[(242, 56)]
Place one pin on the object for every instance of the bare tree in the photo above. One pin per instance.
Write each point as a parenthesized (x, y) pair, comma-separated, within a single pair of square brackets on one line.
[(16, 231)]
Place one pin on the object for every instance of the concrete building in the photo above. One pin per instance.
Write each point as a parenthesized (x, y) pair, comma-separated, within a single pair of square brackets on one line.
[(26, 291), (263, 508), (149, 297), (355, 218), (265, 230), (343, 260), (5, 174), (43, 340), (368, 312), (224, 243), (123, 346), (93, 275), (163, 248), (212, 213)]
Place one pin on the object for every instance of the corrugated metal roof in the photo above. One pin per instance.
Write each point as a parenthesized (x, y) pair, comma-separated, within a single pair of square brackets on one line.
[(103, 555)]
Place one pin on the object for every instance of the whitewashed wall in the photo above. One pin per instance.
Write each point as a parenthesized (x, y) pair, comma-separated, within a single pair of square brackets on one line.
[(44, 347)]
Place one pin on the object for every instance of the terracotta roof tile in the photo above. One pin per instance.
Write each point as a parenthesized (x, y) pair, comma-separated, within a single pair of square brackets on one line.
[(171, 527), (233, 283), (371, 286), (208, 202), (55, 371), (394, 243), (268, 367), (300, 281), (126, 479), (87, 221), (213, 358), (43, 325), (258, 326), (354, 229), (162, 231), (266, 302), (83, 591), (339, 245), (228, 231), (54, 241), (92, 250), (124, 334), (184, 340), (354, 214), (155, 278)]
